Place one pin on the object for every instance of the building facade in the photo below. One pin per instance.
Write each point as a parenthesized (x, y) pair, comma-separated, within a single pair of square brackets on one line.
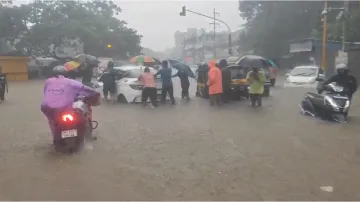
[(200, 46)]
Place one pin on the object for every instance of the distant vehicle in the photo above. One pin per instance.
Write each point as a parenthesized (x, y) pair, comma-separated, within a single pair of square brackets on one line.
[(303, 76), (119, 63), (129, 89), (273, 72)]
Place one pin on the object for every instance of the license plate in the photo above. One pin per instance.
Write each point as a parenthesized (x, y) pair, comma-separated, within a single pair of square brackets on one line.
[(68, 133)]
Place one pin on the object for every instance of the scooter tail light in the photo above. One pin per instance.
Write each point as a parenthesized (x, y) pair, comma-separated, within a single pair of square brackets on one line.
[(67, 118)]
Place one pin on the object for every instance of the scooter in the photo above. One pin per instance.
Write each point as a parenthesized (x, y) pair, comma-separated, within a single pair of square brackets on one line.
[(333, 105), (74, 126)]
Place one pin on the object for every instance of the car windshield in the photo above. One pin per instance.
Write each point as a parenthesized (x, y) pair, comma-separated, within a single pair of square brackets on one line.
[(134, 73), (238, 73), (119, 63), (304, 72)]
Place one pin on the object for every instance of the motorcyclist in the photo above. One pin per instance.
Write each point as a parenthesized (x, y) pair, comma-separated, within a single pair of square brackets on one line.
[(343, 78), (61, 92)]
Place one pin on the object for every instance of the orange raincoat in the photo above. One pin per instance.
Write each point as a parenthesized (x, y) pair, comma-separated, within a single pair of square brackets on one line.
[(215, 79)]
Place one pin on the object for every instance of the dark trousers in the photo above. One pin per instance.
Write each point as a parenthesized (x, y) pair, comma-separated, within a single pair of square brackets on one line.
[(215, 99), (2, 94), (226, 94), (256, 99), (167, 89), (185, 90), (149, 93), (108, 88)]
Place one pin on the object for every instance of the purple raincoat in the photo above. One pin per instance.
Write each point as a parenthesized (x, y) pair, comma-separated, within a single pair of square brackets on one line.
[(60, 94)]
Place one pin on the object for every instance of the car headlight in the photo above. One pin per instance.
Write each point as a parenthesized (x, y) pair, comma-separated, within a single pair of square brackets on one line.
[(347, 105), (136, 86), (331, 102), (312, 81)]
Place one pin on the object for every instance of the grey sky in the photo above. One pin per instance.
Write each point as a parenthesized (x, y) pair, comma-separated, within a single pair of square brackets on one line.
[(158, 20)]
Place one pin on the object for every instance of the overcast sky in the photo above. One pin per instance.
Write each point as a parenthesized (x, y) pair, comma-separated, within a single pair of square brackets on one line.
[(158, 20)]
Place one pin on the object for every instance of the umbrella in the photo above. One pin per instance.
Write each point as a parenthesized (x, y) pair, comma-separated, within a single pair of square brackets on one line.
[(181, 66), (71, 65), (253, 61), (86, 59), (142, 59)]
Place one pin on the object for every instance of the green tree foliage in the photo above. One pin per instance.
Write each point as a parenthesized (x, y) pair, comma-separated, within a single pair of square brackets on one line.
[(271, 25), (95, 23), (335, 31)]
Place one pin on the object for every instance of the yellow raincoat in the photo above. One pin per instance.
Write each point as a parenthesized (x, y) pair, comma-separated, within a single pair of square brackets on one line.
[(256, 86)]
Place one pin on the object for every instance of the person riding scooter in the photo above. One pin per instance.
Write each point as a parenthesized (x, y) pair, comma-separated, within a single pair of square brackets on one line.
[(344, 79), (61, 92)]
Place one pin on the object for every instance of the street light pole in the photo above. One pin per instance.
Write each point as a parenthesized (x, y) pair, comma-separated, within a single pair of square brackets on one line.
[(324, 38), (214, 33), (183, 13)]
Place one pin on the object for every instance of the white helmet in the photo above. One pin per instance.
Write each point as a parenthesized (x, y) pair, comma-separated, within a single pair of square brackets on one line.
[(341, 66)]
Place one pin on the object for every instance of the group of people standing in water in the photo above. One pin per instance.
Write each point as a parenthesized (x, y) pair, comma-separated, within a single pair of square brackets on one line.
[(219, 83)]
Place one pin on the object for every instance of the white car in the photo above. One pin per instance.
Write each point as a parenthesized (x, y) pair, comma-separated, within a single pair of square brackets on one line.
[(303, 76), (128, 87)]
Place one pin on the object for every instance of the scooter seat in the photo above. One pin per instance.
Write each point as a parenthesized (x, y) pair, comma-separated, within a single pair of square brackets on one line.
[(315, 98), (314, 95)]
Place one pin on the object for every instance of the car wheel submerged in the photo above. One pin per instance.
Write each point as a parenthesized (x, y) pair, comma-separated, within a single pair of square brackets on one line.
[(122, 99)]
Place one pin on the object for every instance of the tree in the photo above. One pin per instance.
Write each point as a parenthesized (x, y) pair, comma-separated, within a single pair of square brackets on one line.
[(94, 23), (12, 25), (271, 25)]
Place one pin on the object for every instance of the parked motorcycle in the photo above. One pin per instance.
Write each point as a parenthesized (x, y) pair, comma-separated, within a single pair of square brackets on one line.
[(75, 125), (332, 105)]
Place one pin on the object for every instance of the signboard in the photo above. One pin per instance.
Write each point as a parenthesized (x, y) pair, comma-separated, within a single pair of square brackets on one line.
[(301, 47), (342, 58)]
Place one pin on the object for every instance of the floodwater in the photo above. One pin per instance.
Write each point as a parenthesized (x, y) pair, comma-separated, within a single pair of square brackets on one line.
[(190, 151)]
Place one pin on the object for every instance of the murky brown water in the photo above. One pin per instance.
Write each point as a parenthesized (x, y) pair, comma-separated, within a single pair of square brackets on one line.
[(185, 152)]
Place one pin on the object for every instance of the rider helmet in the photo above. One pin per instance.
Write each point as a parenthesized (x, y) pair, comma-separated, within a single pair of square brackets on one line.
[(59, 70), (342, 69)]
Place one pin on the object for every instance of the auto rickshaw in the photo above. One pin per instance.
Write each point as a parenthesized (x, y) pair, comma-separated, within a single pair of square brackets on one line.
[(202, 90), (239, 84), (251, 61)]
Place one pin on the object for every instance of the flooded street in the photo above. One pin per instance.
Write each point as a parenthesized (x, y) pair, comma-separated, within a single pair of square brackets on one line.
[(190, 151)]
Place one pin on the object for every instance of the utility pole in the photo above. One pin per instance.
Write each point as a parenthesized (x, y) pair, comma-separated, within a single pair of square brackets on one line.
[(324, 37), (215, 14), (346, 11)]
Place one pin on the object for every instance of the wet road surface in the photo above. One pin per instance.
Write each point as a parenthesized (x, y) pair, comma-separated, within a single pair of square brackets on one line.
[(185, 152)]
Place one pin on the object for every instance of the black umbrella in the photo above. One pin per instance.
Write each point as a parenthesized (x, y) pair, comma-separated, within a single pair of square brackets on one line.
[(253, 61), (87, 60), (181, 66)]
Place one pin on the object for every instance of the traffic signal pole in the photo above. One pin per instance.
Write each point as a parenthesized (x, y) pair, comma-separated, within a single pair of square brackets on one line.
[(183, 13)]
